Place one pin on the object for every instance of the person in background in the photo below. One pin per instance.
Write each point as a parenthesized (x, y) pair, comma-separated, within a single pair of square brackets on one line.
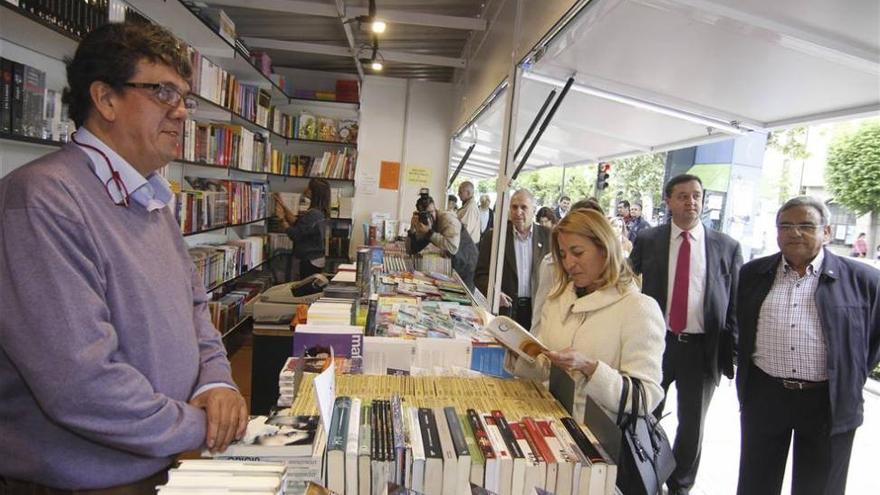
[(486, 214), (596, 323), (546, 217), (526, 245), (308, 230), (637, 223), (452, 203), (469, 213), (623, 211), (546, 270), (445, 231), (692, 273), (109, 363), (563, 206), (860, 247), (809, 336)]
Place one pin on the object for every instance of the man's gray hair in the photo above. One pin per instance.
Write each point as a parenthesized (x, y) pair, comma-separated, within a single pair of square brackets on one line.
[(526, 193), (810, 202), (468, 185)]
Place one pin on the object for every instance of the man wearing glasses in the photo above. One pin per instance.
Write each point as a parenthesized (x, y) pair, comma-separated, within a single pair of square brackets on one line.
[(809, 335), (109, 363)]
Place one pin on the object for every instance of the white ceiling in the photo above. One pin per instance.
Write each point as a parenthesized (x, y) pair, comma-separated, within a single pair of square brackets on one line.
[(751, 64)]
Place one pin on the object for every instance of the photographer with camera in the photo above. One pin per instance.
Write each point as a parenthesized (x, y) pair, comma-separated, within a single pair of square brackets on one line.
[(444, 230)]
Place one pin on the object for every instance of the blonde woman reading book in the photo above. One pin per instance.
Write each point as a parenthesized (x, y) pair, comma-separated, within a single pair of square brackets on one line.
[(596, 322)]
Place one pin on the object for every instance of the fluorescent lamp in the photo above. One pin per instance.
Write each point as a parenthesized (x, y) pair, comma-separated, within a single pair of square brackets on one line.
[(378, 26), (376, 65), (642, 104)]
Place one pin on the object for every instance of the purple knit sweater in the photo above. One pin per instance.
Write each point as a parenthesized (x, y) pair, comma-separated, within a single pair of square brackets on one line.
[(104, 332)]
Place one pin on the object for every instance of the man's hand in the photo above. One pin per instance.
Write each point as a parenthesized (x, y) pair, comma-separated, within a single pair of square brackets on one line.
[(572, 360), (506, 301), (420, 229), (227, 416)]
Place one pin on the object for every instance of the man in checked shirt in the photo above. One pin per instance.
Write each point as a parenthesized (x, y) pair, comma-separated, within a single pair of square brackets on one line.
[(809, 325)]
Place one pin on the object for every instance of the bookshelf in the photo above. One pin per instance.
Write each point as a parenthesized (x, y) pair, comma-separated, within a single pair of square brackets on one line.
[(41, 41)]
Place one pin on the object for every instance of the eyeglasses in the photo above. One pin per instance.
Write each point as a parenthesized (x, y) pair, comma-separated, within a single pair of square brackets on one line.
[(167, 94), (806, 228)]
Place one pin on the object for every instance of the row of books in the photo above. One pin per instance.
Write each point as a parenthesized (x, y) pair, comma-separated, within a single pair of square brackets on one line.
[(436, 435), (209, 203), (215, 84), (27, 107), (216, 263), (230, 308), (76, 19), (235, 146)]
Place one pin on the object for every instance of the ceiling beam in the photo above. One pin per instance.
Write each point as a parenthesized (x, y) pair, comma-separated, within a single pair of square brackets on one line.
[(421, 19), (286, 6), (298, 46), (338, 51), (326, 10), (349, 36)]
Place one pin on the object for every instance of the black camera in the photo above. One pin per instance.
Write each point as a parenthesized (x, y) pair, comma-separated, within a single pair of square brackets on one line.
[(425, 217)]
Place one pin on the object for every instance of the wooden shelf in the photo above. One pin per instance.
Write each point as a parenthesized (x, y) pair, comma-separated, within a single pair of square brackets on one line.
[(6, 136), (224, 226), (233, 279)]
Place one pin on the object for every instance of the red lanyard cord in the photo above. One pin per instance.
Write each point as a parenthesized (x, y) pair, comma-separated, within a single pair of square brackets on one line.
[(115, 178)]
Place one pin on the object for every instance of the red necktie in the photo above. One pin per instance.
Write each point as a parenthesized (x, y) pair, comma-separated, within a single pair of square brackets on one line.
[(678, 308)]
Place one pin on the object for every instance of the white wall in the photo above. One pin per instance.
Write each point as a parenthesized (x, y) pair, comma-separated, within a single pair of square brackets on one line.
[(404, 121)]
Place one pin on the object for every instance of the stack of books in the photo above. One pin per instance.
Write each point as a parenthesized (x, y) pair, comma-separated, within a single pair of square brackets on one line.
[(438, 436), (195, 476)]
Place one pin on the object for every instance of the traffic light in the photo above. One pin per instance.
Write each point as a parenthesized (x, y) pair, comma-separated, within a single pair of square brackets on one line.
[(602, 175)]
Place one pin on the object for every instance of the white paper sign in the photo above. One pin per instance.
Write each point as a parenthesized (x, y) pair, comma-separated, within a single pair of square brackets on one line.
[(325, 392)]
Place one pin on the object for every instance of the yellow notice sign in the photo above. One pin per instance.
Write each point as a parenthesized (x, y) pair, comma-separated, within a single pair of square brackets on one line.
[(418, 176)]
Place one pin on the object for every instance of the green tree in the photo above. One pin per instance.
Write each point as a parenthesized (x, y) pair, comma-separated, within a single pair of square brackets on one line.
[(633, 177), (792, 145), (853, 170)]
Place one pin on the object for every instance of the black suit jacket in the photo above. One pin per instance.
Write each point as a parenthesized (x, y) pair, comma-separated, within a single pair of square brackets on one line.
[(650, 258), (848, 302), (510, 279)]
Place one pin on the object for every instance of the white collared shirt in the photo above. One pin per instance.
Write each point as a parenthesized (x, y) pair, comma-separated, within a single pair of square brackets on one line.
[(153, 192), (522, 245), (789, 341), (697, 279)]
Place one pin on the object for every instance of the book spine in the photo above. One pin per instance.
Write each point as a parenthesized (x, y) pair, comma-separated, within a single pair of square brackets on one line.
[(398, 437), (480, 434), (581, 440), (17, 107), (430, 435), (504, 429), (455, 430), (339, 424), (5, 95)]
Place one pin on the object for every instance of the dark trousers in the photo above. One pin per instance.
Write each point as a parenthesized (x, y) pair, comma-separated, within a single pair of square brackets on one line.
[(521, 311), (306, 268), (683, 363), (143, 487), (770, 415)]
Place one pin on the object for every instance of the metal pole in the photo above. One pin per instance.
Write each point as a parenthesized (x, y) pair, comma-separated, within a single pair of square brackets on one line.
[(543, 126), (534, 123), (464, 159)]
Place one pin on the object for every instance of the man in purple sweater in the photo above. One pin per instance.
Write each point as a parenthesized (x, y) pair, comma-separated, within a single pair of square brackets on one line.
[(109, 363)]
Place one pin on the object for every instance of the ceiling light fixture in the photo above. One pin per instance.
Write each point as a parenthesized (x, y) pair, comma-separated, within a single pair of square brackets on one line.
[(377, 25), (376, 60)]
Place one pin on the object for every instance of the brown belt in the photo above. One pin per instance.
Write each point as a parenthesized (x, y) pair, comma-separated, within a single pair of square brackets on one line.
[(798, 384), (146, 486)]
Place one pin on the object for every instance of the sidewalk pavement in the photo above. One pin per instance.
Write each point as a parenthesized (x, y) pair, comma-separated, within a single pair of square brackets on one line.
[(720, 460)]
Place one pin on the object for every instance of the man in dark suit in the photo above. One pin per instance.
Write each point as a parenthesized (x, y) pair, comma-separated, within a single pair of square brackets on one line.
[(809, 336), (692, 273), (526, 245)]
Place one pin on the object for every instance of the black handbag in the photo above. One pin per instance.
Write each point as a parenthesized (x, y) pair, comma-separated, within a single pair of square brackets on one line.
[(646, 460)]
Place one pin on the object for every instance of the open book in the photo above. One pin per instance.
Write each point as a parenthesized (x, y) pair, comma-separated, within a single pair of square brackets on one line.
[(516, 338)]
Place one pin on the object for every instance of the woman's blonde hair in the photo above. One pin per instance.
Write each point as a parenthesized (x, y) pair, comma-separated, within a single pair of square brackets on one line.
[(592, 225)]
